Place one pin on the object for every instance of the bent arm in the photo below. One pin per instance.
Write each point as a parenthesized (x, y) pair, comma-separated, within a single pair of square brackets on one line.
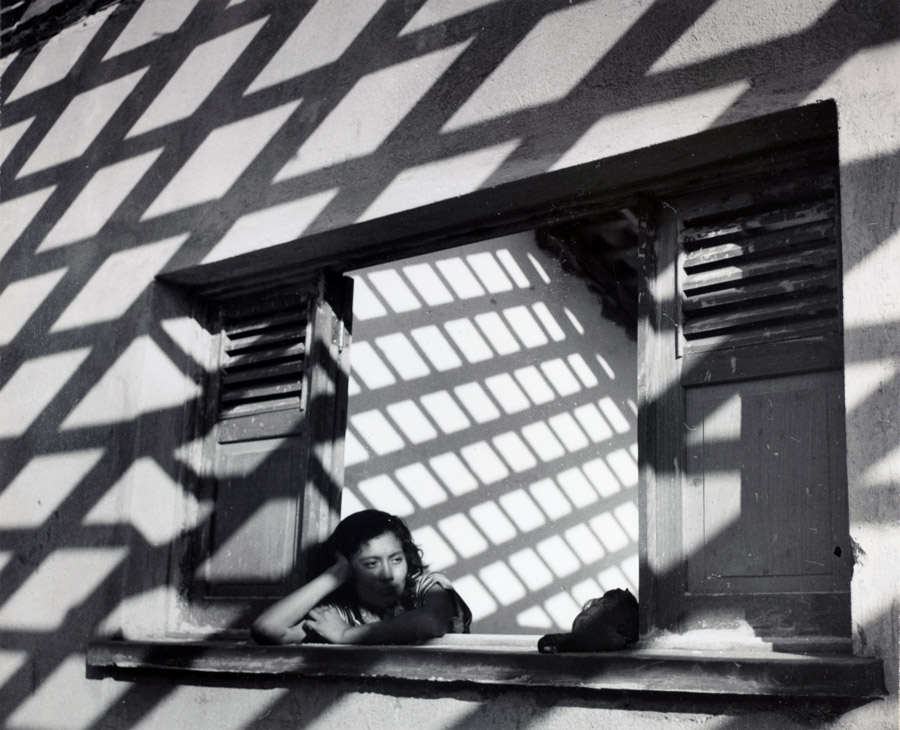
[(281, 622), (430, 621)]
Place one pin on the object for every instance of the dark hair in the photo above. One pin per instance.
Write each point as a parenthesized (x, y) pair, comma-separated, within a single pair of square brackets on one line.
[(360, 527)]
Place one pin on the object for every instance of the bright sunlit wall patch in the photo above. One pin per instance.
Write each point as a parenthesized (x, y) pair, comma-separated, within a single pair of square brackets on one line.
[(402, 356), (70, 576), (142, 380), (10, 662), (10, 136), (116, 284), (384, 494), (394, 90), (195, 79), (17, 214), (394, 290), (435, 12), (21, 299), (529, 77), (220, 160), (502, 583), (715, 34), (42, 485), (437, 349), (270, 226), (377, 432), (321, 38), (80, 123), (85, 703), (421, 485), (33, 386), (98, 201), (440, 180), (153, 20), (57, 58), (681, 116), (147, 498), (428, 284), (414, 424)]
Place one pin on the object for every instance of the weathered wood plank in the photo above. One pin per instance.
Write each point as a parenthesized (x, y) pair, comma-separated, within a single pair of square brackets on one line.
[(760, 360), (293, 350), (771, 220), (761, 313), (256, 392), (747, 293), (294, 334), (757, 245), (262, 424), (237, 326), (818, 329), (293, 370), (780, 265), (673, 671)]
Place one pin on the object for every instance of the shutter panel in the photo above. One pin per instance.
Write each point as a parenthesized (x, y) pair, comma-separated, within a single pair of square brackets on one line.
[(760, 269), (745, 385), (275, 401)]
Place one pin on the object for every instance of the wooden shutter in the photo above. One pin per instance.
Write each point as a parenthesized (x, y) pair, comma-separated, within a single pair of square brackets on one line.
[(274, 459), (741, 380)]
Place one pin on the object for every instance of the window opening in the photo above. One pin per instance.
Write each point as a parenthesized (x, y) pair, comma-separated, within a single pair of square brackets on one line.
[(493, 406)]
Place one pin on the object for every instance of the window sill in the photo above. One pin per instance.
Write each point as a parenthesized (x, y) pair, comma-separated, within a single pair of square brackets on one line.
[(511, 660)]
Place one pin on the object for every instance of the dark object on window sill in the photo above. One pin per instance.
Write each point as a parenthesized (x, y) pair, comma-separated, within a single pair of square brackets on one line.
[(604, 624)]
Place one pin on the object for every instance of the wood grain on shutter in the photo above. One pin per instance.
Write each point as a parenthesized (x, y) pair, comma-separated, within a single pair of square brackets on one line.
[(254, 529)]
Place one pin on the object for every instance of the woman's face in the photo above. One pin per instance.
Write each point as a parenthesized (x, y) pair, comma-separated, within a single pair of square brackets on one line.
[(379, 571)]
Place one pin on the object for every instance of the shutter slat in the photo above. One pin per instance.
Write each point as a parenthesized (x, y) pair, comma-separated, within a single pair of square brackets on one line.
[(758, 266), (758, 245), (247, 324), (819, 257), (263, 357), (258, 392), (794, 285), (294, 350), (235, 410), (772, 220), (760, 314), (814, 328), (265, 339), (279, 370)]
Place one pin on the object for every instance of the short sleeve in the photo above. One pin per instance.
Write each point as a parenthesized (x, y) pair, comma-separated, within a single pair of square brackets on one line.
[(462, 615)]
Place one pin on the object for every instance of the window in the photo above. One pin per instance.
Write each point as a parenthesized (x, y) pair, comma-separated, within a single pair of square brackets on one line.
[(743, 494)]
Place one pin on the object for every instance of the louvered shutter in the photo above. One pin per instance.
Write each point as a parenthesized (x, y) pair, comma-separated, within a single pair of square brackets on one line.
[(277, 402), (743, 386)]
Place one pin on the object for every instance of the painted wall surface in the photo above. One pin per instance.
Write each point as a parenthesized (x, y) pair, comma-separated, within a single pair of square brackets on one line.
[(167, 133)]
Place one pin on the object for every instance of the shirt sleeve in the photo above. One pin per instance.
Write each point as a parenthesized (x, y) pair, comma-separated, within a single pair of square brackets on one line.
[(462, 615)]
